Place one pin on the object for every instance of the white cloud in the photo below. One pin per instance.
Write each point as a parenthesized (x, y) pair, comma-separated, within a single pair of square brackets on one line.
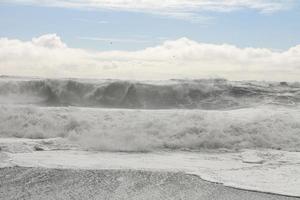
[(117, 40), (49, 40), (48, 56), (185, 9)]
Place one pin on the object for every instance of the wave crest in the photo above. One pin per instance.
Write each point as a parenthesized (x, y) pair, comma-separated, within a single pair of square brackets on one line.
[(190, 94)]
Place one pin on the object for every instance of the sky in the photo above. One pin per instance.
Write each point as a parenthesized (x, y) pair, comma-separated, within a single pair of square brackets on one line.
[(151, 39)]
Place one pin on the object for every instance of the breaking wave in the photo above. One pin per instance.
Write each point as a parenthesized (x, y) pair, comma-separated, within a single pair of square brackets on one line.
[(174, 114), (188, 94), (147, 130)]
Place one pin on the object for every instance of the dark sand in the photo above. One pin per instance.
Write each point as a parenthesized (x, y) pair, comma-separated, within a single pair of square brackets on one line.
[(21, 183)]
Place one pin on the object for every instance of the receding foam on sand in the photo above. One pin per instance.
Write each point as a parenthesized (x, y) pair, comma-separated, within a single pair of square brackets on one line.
[(269, 171)]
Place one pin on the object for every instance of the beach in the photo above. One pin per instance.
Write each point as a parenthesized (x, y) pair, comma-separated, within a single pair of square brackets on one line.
[(64, 184), (149, 100)]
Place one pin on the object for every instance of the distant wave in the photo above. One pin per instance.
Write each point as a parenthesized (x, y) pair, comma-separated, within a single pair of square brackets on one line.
[(147, 130), (190, 94)]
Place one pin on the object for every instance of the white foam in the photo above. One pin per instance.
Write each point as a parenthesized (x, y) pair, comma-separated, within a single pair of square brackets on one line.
[(151, 130)]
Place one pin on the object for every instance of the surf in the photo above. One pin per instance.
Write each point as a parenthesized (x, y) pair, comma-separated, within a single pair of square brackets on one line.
[(209, 94)]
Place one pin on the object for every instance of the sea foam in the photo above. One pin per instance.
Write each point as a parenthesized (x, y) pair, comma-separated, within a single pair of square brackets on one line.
[(148, 130)]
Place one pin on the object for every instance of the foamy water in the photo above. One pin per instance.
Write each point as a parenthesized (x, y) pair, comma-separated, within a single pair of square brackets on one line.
[(149, 130)]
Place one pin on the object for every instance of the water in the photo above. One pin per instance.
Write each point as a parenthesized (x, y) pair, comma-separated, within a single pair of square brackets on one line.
[(213, 94), (113, 115)]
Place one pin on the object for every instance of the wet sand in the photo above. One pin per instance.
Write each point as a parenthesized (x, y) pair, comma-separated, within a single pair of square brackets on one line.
[(65, 184)]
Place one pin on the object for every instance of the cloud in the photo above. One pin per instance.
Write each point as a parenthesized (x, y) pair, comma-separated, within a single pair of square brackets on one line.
[(48, 56), (117, 40), (50, 41), (184, 9)]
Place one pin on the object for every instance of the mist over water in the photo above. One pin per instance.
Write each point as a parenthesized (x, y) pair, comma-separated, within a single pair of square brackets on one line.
[(170, 115)]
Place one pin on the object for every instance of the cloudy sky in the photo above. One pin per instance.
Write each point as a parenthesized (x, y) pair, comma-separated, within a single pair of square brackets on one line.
[(151, 39)]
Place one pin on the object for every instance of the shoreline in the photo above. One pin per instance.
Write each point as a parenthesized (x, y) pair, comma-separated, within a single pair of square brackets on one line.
[(42, 183), (265, 171)]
